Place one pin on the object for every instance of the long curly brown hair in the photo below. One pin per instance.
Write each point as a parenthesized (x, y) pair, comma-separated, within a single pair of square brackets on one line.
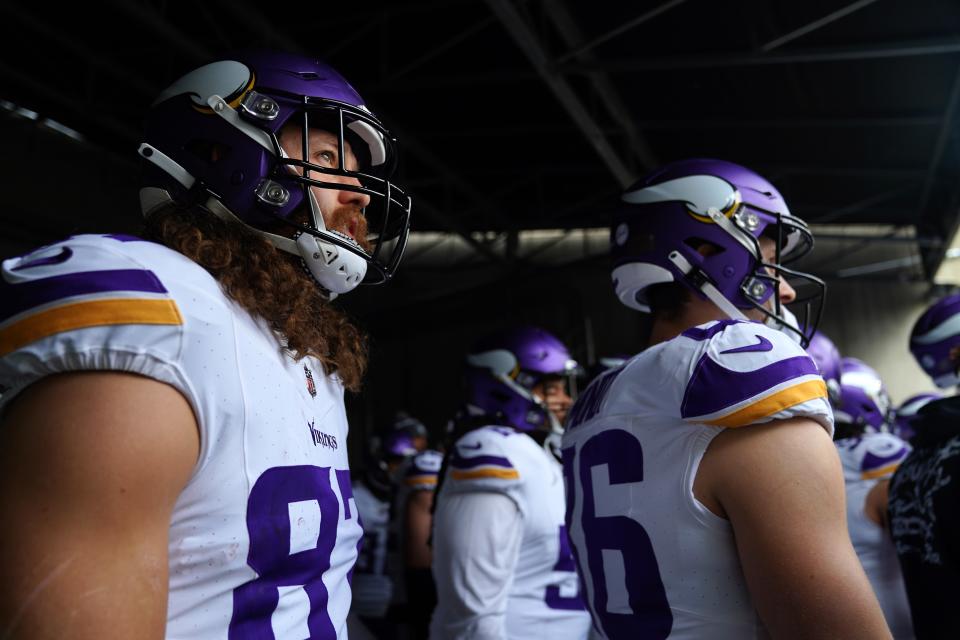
[(267, 283)]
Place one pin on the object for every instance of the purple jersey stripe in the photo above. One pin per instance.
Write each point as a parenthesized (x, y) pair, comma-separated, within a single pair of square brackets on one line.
[(871, 461), (700, 335), (713, 387), (458, 462), (17, 298)]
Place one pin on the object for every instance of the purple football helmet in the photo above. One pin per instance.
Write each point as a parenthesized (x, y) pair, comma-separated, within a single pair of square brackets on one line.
[(399, 444), (504, 367), (934, 338), (212, 138), (406, 423), (827, 357), (907, 413), (671, 213), (864, 401)]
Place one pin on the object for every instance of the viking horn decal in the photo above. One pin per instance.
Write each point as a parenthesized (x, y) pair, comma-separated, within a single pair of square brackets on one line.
[(700, 193)]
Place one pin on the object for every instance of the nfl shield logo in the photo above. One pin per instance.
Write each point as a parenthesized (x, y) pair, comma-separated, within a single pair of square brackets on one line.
[(311, 387)]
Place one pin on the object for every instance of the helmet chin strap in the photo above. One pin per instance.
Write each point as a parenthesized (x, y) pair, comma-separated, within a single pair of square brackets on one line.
[(713, 294)]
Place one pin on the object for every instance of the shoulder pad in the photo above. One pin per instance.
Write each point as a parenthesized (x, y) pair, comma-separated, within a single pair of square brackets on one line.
[(480, 460), (748, 373), (79, 283), (872, 456), (423, 470)]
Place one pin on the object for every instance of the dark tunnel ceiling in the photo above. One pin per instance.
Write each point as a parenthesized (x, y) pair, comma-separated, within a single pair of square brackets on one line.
[(525, 115)]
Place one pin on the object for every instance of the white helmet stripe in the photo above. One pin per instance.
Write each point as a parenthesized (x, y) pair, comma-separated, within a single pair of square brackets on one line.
[(700, 193), (946, 329)]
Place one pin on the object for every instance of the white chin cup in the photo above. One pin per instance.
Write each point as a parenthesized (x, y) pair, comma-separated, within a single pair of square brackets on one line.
[(336, 269)]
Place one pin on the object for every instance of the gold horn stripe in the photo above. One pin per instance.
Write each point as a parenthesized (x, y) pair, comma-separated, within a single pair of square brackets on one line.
[(783, 399), (83, 315), (235, 102)]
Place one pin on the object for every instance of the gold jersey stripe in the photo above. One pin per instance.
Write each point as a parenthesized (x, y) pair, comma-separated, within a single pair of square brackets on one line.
[(503, 474), (878, 473), (783, 399), (424, 479), (81, 315)]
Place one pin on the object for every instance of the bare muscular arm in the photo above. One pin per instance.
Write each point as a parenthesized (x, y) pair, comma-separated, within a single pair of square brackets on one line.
[(781, 486), (90, 467)]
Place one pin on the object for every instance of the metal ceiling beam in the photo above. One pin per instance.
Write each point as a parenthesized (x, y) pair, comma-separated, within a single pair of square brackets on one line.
[(866, 203), (580, 49), (722, 60), (529, 42), (150, 17), (608, 94), (819, 23)]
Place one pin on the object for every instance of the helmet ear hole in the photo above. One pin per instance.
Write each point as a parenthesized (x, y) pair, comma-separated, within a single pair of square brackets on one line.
[(208, 151), (704, 247)]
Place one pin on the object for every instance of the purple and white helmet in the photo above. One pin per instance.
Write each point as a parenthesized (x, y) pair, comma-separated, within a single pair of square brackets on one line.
[(864, 401), (933, 339), (827, 357), (668, 214), (212, 138), (504, 367), (907, 413)]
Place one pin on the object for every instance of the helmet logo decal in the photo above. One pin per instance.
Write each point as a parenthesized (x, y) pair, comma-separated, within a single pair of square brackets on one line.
[(701, 193)]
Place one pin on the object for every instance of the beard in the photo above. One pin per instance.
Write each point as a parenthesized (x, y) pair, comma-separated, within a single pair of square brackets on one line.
[(349, 221)]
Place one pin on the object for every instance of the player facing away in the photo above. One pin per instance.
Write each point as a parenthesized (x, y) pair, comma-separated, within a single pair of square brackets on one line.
[(501, 557), (925, 491), (870, 455), (704, 495), (173, 441)]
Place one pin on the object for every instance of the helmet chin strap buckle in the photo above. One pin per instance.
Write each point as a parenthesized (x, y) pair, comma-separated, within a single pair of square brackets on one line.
[(702, 283)]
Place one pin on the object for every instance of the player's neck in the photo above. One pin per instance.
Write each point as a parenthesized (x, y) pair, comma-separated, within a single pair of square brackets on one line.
[(695, 312)]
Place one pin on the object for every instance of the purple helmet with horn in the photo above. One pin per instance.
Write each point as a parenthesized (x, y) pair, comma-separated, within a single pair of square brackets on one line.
[(504, 367), (212, 138), (827, 357), (864, 401), (659, 232), (934, 341), (907, 413)]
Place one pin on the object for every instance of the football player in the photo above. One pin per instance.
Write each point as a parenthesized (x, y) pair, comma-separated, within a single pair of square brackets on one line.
[(704, 495), (909, 412), (925, 491), (827, 358), (870, 455), (173, 441), (502, 560)]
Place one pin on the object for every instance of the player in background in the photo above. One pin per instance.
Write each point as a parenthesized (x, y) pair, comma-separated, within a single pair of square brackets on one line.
[(925, 491), (909, 412), (870, 455), (827, 357), (502, 561), (374, 492), (704, 495), (173, 441)]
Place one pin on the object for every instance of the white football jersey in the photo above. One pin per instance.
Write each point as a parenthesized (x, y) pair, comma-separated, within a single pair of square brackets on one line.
[(544, 598), (264, 536), (867, 460), (372, 587), (655, 562)]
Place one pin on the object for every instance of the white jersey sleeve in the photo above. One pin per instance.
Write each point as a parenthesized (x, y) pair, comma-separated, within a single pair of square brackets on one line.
[(87, 303), (871, 456), (481, 462)]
